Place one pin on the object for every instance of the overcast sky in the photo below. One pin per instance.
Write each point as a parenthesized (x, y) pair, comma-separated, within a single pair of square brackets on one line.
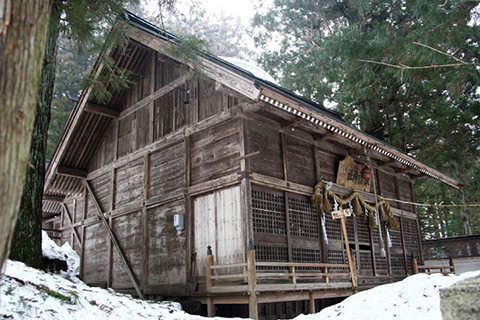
[(245, 9)]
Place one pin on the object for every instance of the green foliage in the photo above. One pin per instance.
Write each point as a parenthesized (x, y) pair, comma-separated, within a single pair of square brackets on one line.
[(187, 49), (86, 30), (223, 35), (72, 298), (403, 71)]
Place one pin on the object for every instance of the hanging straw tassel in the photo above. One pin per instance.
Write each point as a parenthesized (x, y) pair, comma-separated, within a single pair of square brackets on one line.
[(394, 224), (372, 221), (327, 206), (356, 207), (383, 214), (317, 199)]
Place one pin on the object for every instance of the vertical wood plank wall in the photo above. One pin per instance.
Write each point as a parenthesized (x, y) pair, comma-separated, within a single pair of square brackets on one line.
[(172, 135)]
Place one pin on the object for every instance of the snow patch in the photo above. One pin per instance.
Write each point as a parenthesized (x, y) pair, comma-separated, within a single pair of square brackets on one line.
[(250, 67), (415, 297), (51, 250)]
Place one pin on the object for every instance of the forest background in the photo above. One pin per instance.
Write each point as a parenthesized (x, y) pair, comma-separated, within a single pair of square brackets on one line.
[(406, 72)]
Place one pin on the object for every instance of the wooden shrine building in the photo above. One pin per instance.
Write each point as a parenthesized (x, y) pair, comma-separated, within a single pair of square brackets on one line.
[(143, 184)]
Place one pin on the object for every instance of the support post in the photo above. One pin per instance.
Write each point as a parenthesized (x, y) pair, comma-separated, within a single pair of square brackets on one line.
[(114, 239), (414, 265), (452, 265), (74, 231), (209, 280), (210, 307), (351, 262), (252, 285), (311, 303), (208, 269)]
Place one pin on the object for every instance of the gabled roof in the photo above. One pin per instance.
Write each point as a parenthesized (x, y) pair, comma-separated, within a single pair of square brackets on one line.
[(87, 121)]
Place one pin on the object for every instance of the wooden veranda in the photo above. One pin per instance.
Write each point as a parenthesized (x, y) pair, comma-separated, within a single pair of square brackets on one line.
[(255, 282)]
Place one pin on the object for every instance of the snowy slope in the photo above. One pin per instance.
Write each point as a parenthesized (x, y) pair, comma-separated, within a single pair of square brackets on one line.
[(415, 297), (27, 293)]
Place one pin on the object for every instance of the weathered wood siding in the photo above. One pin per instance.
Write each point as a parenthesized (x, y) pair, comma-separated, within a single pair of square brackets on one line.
[(167, 249), (216, 151), (129, 183), (129, 231), (166, 139), (167, 170), (96, 260)]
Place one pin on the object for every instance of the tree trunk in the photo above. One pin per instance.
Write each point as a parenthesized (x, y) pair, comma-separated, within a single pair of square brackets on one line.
[(27, 238), (23, 26)]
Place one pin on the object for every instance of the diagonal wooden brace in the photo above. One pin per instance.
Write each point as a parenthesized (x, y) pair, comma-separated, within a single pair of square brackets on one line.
[(114, 239), (75, 232)]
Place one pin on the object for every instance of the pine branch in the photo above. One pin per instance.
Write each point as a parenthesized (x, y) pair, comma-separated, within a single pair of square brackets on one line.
[(405, 67), (444, 53)]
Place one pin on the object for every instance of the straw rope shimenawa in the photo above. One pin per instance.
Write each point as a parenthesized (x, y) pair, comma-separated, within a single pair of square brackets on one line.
[(451, 205), (322, 195)]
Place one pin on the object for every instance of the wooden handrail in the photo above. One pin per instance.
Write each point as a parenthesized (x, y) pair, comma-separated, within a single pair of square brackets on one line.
[(416, 267), (300, 264), (255, 271)]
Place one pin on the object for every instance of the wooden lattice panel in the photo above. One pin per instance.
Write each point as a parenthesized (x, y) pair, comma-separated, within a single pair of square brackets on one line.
[(365, 266), (336, 256), (266, 253), (268, 208), (409, 227), (363, 230), (398, 264), (396, 238), (381, 264), (303, 218), (306, 255), (333, 227)]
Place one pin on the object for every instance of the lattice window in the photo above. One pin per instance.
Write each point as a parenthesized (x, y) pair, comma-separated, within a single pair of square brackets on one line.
[(268, 208), (306, 255), (363, 231), (303, 218), (264, 253), (396, 238), (398, 265), (409, 227), (366, 266), (335, 256), (333, 227), (381, 264)]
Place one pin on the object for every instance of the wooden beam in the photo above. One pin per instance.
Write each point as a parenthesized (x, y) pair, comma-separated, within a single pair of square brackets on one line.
[(417, 176), (385, 163), (75, 232), (72, 172), (49, 197), (114, 239), (321, 137), (101, 110)]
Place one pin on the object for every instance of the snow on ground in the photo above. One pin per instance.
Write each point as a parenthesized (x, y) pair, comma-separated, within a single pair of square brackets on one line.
[(65, 252), (415, 297), (27, 293)]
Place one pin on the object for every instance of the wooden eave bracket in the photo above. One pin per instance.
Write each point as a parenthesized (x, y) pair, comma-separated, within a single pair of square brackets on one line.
[(72, 172), (321, 137), (101, 110), (47, 197)]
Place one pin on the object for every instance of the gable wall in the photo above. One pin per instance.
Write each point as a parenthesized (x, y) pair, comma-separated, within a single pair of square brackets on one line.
[(173, 133)]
